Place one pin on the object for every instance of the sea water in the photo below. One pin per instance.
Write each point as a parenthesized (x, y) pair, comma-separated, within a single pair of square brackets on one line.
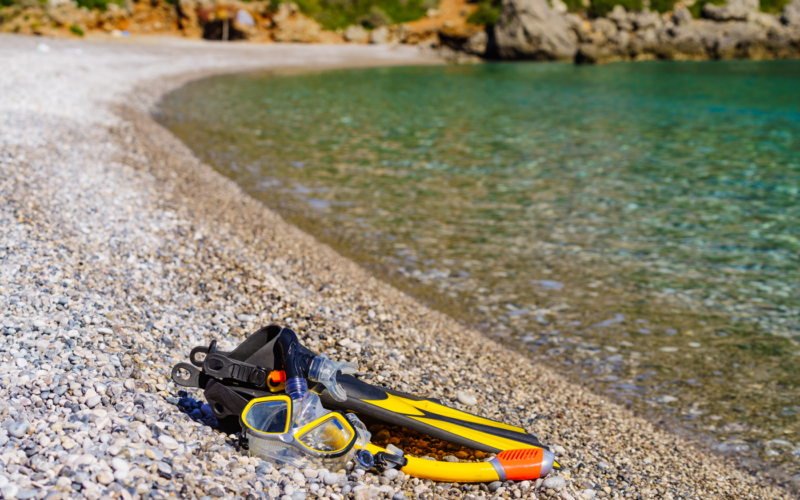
[(636, 226)]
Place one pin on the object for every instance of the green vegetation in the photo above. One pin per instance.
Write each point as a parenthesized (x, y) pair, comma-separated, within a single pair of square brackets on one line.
[(574, 5), (487, 14), (601, 8), (697, 8), (773, 6), (100, 5), (339, 14), (662, 6), (76, 29)]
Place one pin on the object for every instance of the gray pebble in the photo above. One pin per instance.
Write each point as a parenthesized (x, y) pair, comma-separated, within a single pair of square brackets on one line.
[(330, 479), (18, 429), (556, 483), (494, 486), (164, 467)]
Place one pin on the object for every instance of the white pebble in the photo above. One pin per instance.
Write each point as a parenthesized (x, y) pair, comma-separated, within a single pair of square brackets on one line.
[(168, 442), (467, 399)]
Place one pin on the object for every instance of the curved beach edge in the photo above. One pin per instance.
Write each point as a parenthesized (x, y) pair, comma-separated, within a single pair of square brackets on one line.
[(121, 251)]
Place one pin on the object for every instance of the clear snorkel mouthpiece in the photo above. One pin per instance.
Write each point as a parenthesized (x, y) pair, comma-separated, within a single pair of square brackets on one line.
[(323, 370)]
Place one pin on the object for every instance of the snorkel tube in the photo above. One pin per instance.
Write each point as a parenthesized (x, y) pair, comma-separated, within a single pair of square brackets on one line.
[(513, 465), (301, 364), (295, 363)]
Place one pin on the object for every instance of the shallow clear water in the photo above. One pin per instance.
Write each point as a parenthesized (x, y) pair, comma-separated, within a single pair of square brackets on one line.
[(636, 226)]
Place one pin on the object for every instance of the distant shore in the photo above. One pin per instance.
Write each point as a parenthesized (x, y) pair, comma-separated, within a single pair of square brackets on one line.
[(119, 251), (588, 32)]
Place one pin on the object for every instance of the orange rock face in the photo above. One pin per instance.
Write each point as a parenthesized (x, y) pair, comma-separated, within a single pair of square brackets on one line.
[(228, 20)]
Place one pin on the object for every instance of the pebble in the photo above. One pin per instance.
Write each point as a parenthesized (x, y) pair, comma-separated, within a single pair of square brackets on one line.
[(9, 491), (390, 474), (121, 468), (18, 429), (556, 483), (169, 442), (330, 479), (104, 477), (467, 399)]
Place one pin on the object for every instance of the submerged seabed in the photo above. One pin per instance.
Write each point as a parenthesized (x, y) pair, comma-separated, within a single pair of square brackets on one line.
[(637, 225)]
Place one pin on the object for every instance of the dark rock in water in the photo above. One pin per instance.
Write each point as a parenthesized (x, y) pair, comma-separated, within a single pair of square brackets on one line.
[(530, 29)]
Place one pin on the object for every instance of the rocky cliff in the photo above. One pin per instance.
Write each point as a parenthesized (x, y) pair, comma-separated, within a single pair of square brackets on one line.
[(532, 29), (524, 30)]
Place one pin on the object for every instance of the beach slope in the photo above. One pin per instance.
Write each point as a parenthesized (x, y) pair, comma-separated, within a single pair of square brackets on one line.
[(120, 251)]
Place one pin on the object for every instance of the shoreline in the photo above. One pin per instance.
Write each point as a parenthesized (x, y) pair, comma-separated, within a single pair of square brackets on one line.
[(152, 223)]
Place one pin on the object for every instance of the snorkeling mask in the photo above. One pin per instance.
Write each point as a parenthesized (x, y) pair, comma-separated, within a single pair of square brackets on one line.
[(301, 433)]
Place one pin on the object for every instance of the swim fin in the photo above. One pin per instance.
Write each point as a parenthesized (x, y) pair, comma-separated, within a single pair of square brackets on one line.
[(428, 416), (231, 379)]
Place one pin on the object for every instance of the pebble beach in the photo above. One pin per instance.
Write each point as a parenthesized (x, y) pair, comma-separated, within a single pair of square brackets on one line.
[(120, 251)]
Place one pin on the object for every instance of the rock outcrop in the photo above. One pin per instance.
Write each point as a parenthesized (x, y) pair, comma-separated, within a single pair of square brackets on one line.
[(530, 29), (733, 10), (290, 25), (791, 14), (526, 29), (745, 33)]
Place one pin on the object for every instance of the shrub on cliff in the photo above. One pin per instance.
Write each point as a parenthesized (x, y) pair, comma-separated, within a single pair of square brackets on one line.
[(487, 14), (697, 8), (773, 6), (339, 14), (601, 8), (662, 6), (100, 5)]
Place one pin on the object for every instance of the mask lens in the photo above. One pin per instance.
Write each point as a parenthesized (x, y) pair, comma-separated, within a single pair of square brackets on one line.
[(268, 416), (328, 436)]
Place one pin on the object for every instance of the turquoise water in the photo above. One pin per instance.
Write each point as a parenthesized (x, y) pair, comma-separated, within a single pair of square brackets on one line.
[(633, 225)]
